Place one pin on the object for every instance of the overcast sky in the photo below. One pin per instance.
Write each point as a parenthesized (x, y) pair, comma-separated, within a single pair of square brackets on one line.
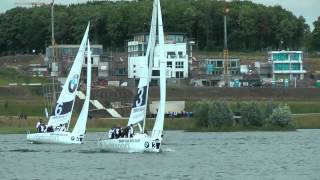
[(309, 9)]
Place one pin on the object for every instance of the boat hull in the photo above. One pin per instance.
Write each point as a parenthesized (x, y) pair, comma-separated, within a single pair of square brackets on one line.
[(55, 138), (137, 144)]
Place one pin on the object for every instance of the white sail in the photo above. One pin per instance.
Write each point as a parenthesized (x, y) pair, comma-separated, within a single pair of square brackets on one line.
[(139, 107), (80, 126), (62, 112), (142, 142), (158, 126)]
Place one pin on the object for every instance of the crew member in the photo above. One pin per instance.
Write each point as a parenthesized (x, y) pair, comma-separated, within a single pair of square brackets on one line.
[(38, 126), (130, 132)]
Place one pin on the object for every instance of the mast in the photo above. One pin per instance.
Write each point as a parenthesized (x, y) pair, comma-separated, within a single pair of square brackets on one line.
[(53, 72), (225, 51)]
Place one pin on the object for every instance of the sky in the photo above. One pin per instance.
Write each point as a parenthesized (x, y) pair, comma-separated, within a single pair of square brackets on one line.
[(309, 9)]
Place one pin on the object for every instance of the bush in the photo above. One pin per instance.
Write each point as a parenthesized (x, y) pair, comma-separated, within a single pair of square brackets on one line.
[(251, 114), (219, 114), (201, 114), (268, 109), (281, 116)]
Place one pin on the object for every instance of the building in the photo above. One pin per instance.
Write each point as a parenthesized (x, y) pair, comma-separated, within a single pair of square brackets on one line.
[(286, 65), (65, 55), (210, 70), (264, 69), (177, 56)]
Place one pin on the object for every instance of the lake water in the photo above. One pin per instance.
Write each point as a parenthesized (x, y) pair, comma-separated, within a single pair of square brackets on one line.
[(235, 155)]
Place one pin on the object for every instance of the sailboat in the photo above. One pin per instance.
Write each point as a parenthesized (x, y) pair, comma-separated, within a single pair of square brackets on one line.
[(141, 141), (61, 114)]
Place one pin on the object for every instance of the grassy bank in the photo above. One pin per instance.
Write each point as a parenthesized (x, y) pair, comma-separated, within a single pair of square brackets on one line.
[(9, 125), (297, 107)]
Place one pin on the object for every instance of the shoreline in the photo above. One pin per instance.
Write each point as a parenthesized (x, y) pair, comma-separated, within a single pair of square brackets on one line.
[(12, 125)]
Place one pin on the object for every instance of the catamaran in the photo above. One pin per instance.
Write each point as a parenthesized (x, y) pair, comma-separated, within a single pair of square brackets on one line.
[(61, 114), (142, 142)]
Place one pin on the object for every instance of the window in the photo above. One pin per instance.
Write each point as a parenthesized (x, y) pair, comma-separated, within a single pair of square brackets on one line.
[(281, 66), (233, 64), (180, 54), (219, 64), (179, 64), (86, 60), (169, 64), (295, 57), (280, 57), (155, 72), (171, 55), (295, 66), (179, 74), (234, 72)]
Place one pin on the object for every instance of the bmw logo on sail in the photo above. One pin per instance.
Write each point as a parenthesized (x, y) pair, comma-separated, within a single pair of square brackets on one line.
[(73, 83)]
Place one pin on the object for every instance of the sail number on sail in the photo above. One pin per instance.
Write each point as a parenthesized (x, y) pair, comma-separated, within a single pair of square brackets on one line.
[(140, 98)]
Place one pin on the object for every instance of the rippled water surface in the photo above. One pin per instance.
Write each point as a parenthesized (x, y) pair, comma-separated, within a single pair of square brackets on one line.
[(235, 155)]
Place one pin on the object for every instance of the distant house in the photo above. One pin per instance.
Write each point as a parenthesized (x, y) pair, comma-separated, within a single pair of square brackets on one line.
[(177, 56), (209, 70), (66, 53), (287, 65)]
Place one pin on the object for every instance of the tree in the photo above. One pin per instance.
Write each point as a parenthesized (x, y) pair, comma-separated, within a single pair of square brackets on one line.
[(219, 114), (251, 114), (315, 36), (281, 116), (201, 114), (250, 26)]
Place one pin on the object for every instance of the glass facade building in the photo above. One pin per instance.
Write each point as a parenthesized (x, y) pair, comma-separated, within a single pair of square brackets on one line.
[(287, 65)]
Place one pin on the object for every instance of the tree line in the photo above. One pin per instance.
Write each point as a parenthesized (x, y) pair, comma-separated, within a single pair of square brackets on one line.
[(251, 27)]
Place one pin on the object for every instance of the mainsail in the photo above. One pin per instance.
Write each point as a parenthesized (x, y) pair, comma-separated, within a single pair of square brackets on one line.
[(139, 107), (80, 126), (158, 126), (62, 112)]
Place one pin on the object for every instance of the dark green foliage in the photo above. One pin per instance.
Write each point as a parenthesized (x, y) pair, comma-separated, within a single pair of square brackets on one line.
[(201, 114), (219, 114), (250, 26), (251, 114), (281, 116), (315, 36), (6, 104), (268, 109)]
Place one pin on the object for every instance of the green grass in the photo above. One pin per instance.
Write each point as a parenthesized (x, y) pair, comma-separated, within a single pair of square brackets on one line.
[(15, 107), (311, 121)]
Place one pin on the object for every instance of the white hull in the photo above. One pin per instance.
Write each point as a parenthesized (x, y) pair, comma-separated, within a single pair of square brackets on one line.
[(137, 144), (55, 138)]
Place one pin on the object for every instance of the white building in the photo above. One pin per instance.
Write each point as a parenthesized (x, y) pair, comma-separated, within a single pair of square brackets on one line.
[(176, 50), (287, 65)]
